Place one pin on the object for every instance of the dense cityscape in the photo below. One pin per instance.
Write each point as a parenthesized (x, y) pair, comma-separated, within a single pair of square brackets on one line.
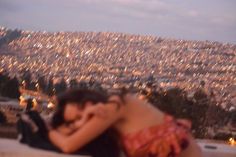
[(117, 78), (116, 58), (188, 79)]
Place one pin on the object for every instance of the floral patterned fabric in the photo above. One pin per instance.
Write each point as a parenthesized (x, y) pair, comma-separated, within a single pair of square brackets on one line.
[(164, 140)]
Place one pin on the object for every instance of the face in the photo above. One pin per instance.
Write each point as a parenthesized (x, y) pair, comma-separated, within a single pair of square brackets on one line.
[(72, 112)]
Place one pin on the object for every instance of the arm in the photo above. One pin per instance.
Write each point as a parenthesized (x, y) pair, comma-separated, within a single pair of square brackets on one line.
[(65, 129), (93, 128), (99, 110)]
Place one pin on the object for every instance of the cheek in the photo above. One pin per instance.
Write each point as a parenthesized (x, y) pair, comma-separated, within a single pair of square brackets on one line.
[(71, 113)]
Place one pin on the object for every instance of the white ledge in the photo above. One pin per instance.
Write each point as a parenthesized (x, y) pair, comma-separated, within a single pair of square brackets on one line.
[(12, 148)]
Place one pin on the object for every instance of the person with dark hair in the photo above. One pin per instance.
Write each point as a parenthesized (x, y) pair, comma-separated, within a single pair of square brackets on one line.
[(106, 144), (33, 131), (138, 127)]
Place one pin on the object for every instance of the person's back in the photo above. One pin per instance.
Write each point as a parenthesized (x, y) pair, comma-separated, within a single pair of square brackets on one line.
[(138, 114), (143, 127)]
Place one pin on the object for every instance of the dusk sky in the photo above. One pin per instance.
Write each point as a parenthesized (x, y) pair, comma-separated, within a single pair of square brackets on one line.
[(213, 20)]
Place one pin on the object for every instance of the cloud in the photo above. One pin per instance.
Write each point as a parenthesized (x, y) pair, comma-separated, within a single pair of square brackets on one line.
[(131, 8), (7, 6), (173, 18), (193, 13)]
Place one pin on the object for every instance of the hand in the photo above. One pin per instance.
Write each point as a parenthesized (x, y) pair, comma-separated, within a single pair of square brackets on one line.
[(162, 147), (116, 100), (94, 110), (186, 123), (174, 142), (66, 129), (100, 110)]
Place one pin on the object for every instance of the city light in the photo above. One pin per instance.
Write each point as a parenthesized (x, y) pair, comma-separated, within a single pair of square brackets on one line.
[(22, 101), (232, 141), (50, 105), (23, 84), (35, 103)]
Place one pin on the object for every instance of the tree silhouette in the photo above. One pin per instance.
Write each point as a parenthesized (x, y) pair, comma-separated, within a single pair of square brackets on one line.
[(175, 102), (73, 83), (10, 35), (60, 87), (27, 77), (50, 87), (3, 118), (11, 88), (3, 80), (42, 84)]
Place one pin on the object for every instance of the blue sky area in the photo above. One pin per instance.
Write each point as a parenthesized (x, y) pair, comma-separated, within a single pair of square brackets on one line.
[(213, 20)]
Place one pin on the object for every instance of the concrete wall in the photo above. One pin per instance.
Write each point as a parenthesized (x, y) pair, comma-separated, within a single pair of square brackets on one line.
[(12, 148)]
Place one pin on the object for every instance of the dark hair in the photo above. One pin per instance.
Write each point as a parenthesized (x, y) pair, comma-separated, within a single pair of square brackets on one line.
[(78, 96), (106, 144)]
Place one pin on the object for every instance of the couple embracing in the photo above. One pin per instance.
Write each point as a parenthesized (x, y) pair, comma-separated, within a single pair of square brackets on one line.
[(122, 122)]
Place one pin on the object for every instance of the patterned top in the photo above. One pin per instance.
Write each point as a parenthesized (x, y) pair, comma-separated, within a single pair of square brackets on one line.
[(164, 140)]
